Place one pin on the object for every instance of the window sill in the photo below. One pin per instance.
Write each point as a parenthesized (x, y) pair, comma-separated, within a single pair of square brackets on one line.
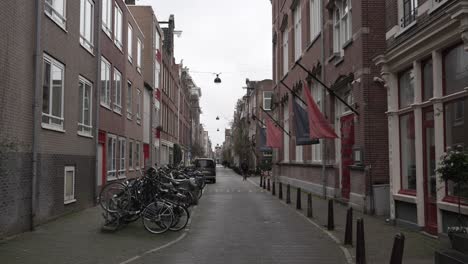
[(404, 198), (119, 112), (407, 192), (338, 60), (130, 60), (63, 27), (454, 200), (405, 29), (53, 128), (347, 43), (90, 51), (332, 57), (69, 201), (83, 134), (109, 179), (106, 106), (107, 31)]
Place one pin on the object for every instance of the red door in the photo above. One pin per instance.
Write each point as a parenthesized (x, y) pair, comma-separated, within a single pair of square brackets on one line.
[(146, 154), (430, 201), (347, 142)]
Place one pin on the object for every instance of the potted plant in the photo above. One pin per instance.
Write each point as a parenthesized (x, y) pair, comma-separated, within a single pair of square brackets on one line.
[(453, 167)]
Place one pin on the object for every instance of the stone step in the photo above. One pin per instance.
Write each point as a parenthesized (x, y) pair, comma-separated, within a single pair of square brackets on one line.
[(450, 256)]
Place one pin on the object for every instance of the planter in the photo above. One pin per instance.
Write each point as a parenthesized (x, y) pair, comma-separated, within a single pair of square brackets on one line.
[(459, 242)]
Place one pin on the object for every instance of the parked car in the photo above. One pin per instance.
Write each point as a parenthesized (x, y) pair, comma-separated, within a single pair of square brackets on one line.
[(207, 167)]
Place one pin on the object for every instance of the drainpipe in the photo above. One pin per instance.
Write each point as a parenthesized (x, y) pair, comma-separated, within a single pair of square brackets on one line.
[(36, 110), (97, 95), (322, 62)]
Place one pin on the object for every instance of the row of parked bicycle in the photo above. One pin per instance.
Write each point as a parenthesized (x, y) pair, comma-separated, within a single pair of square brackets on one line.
[(161, 197)]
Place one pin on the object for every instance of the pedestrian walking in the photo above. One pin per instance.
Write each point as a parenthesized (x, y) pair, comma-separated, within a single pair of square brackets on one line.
[(244, 169)]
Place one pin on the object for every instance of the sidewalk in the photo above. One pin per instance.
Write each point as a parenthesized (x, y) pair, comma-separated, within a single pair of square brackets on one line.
[(379, 235), (77, 238)]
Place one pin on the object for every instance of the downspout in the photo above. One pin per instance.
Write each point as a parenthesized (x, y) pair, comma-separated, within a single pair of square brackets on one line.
[(36, 110), (322, 72), (97, 94)]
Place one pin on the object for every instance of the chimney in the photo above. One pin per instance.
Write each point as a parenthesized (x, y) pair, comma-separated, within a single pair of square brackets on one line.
[(130, 2), (169, 35)]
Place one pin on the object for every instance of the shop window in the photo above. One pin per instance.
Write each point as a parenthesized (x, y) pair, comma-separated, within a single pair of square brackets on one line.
[(406, 88), (407, 152), (455, 70), (427, 81)]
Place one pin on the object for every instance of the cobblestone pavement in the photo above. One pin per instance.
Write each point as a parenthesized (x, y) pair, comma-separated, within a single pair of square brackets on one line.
[(235, 222), (419, 247)]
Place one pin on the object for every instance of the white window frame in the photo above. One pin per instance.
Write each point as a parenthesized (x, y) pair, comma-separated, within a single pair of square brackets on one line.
[(106, 83), (267, 98), (122, 155), (130, 43), (118, 26), (137, 155), (88, 44), (51, 11), (107, 17), (139, 53), (117, 91), (317, 94), (129, 100), (336, 30), (315, 18), (85, 129), (297, 16), (285, 37), (49, 116), (346, 19), (111, 170), (67, 199), (138, 110), (130, 155)]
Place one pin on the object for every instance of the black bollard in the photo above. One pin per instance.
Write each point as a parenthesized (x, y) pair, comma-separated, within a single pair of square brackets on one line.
[(268, 184), (348, 239), (398, 247), (331, 219), (261, 180), (298, 199), (360, 243), (273, 188), (288, 194), (280, 194), (309, 205), (264, 183)]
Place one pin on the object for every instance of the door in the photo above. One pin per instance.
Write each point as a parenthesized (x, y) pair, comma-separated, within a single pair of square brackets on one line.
[(347, 142), (146, 155), (100, 167), (430, 193)]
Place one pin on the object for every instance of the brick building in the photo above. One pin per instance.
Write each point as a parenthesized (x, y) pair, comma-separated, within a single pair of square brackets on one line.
[(170, 87), (152, 60), (120, 149), (48, 110), (425, 72), (336, 41)]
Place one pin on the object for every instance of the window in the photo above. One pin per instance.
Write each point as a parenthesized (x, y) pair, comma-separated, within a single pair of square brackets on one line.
[(138, 102), (129, 100), (342, 25), (105, 83), (130, 155), (315, 18), (69, 185), (85, 111), (52, 94), (455, 70), (348, 97), (285, 53), (118, 26), (56, 10), (107, 17), (316, 92), (267, 98), (87, 24), (285, 136), (122, 145), (139, 50), (117, 91), (346, 21), (130, 43), (137, 155), (455, 134), (297, 32), (427, 81), (111, 157), (336, 31), (407, 152), (299, 152), (410, 10), (406, 88)]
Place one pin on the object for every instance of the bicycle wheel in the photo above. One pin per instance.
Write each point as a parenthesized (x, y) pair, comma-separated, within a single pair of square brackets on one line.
[(181, 218), (114, 197), (157, 217)]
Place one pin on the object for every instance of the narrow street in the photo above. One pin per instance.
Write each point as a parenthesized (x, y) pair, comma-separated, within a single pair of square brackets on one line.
[(237, 222)]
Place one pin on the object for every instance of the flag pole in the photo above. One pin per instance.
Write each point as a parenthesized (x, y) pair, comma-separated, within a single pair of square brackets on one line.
[(326, 87), (276, 122), (294, 93)]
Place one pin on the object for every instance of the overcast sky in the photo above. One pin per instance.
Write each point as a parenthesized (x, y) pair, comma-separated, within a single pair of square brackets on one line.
[(231, 37)]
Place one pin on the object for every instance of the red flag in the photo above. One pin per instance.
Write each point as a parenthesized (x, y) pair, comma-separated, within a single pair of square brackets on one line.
[(318, 125), (273, 135)]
